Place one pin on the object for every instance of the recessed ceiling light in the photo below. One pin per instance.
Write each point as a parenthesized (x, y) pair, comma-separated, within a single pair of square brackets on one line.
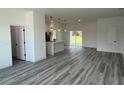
[(79, 20), (65, 30), (59, 30), (51, 21)]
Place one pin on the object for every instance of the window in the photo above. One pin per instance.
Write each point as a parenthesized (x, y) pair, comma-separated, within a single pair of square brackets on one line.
[(76, 38)]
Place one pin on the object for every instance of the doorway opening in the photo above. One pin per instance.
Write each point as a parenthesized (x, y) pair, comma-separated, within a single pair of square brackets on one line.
[(76, 38), (18, 44)]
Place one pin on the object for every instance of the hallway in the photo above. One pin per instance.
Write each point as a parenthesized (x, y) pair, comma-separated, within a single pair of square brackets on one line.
[(70, 67)]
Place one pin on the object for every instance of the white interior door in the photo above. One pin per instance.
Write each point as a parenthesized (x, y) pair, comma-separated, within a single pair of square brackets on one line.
[(20, 48), (112, 39)]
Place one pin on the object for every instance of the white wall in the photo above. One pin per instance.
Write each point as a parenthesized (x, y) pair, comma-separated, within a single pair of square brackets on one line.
[(121, 40), (30, 49), (60, 36), (67, 38), (39, 36), (103, 27), (35, 46), (8, 18), (31, 21), (89, 33)]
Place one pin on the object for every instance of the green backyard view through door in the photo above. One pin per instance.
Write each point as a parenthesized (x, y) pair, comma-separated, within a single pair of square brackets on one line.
[(76, 38)]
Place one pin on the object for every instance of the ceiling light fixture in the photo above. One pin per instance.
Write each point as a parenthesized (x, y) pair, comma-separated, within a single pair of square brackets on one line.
[(65, 26), (59, 25), (59, 30), (51, 24), (65, 30), (79, 20), (51, 19)]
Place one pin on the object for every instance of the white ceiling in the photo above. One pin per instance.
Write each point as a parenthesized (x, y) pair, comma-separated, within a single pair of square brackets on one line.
[(85, 14), (73, 14)]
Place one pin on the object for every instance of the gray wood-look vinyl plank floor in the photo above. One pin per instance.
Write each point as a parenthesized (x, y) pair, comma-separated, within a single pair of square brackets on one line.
[(76, 66)]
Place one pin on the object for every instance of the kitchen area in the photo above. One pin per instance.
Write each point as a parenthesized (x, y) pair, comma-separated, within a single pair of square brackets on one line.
[(54, 35)]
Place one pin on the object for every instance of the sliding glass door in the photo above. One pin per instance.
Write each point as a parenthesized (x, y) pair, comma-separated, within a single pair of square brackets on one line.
[(76, 38)]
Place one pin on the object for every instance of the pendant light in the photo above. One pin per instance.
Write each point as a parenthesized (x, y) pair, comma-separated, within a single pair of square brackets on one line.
[(79, 20), (59, 25), (51, 23), (65, 28)]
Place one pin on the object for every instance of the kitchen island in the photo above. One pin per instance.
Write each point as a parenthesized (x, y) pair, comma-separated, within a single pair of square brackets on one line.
[(54, 47)]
